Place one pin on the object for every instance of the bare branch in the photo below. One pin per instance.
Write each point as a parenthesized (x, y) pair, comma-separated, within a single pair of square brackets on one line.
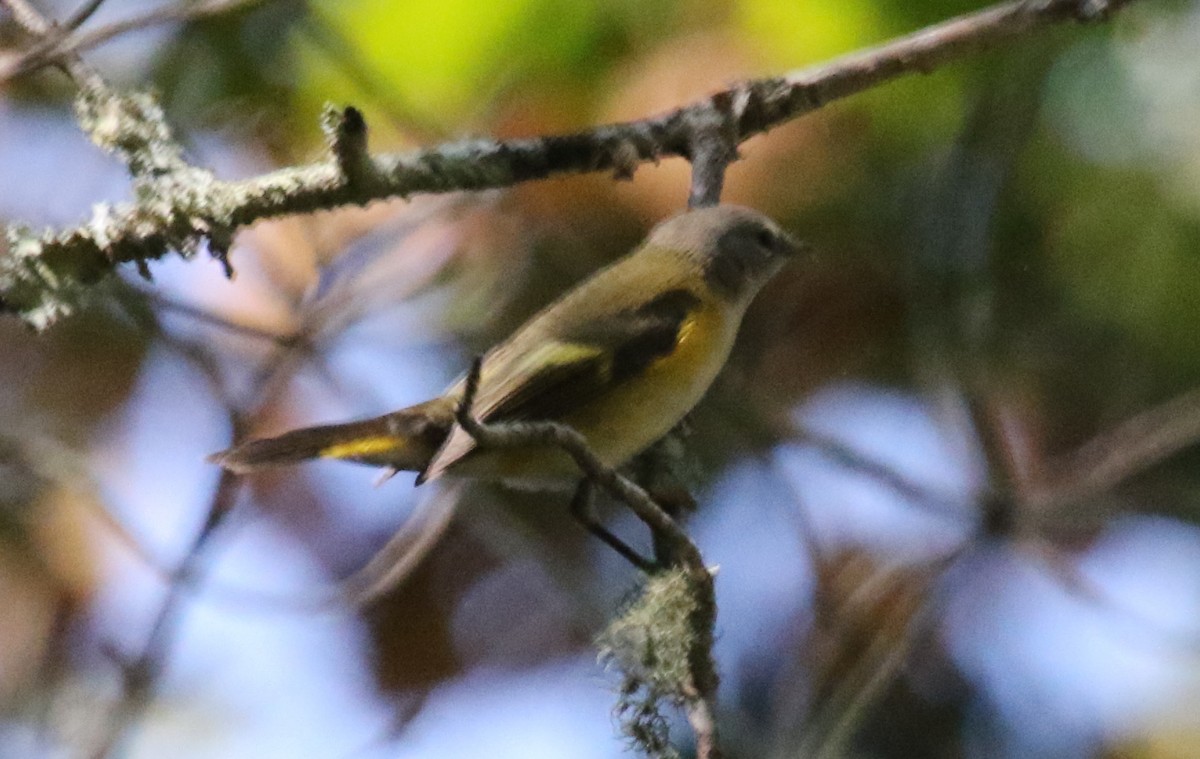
[(28, 17), (54, 49), (142, 673), (882, 663), (42, 274), (840, 453), (713, 148), (81, 15), (47, 33), (1123, 451)]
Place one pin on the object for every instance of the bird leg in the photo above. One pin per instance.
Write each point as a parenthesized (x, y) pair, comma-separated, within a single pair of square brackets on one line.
[(581, 509)]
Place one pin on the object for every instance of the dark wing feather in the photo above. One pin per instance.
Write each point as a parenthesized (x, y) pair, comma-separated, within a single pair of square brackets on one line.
[(555, 389), (560, 376), (650, 333), (609, 352)]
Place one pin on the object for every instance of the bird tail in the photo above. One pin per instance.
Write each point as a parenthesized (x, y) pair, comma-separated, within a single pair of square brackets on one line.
[(403, 440)]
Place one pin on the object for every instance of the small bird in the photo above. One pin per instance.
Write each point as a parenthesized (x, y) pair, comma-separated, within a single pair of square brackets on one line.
[(622, 359)]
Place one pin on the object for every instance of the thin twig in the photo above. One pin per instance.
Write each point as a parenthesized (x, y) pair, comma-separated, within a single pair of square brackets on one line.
[(55, 49), (141, 674), (1114, 456), (523, 434), (882, 663), (46, 32), (212, 318), (81, 15), (941, 504), (27, 17)]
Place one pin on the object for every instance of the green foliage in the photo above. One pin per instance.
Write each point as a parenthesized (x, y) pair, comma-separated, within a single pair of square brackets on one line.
[(826, 28), (446, 62)]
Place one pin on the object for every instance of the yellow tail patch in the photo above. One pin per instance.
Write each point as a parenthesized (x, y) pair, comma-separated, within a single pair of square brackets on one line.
[(361, 448)]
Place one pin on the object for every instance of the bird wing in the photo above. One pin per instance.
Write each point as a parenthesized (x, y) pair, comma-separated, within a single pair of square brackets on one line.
[(546, 379)]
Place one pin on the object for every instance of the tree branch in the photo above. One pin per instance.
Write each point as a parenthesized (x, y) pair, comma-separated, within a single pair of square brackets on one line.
[(1123, 451), (699, 690), (53, 49), (140, 676), (43, 274), (33, 22)]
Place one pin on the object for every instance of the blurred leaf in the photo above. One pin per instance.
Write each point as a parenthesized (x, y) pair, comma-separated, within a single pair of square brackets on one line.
[(446, 59), (792, 34)]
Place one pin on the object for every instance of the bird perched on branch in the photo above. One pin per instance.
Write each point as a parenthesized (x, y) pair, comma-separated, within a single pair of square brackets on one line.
[(622, 359)]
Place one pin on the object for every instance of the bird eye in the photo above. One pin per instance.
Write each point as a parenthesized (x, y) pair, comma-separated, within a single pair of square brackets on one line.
[(765, 238)]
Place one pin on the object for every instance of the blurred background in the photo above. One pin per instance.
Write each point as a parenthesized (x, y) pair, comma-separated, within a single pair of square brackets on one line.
[(897, 472)]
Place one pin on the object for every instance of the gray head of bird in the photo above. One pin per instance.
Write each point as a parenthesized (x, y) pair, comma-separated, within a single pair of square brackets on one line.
[(737, 248)]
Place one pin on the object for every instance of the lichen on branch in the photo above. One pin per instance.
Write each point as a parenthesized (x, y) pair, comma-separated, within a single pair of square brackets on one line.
[(650, 643)]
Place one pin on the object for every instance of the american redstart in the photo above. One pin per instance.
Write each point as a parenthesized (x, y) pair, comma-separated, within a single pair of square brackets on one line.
[(622, 359)]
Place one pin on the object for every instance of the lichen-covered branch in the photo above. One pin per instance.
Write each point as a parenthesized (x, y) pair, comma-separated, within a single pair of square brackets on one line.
[(690, 676), (43, 273)]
